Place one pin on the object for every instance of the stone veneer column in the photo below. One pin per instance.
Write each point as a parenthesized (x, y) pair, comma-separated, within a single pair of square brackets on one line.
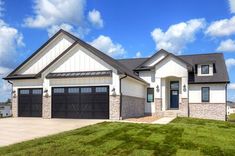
[(183, 107), (158, 107), (15, 106), (114, 107), (46, 107)]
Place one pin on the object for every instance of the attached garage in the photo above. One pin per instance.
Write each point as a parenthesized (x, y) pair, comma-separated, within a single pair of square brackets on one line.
[(90, 102), (30, 102)]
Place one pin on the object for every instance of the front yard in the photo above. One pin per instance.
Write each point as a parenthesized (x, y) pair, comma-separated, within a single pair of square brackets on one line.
[(183, 136)]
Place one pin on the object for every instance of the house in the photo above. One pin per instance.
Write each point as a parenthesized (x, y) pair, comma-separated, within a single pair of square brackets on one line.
[(230, 107), (68, 78), (5, 110)]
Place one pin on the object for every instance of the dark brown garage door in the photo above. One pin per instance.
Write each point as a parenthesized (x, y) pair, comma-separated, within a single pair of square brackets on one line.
[(30, 102), (80, 102)]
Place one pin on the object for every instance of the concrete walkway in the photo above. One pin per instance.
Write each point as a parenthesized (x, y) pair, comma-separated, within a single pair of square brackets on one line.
[(164, 120), (15, 130)]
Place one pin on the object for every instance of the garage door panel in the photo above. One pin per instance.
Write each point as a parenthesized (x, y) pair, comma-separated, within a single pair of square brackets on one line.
[(100, 114), (81, 102)]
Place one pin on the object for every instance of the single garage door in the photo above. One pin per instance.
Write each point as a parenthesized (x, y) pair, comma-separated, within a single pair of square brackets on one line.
[(80, 102), (30, 102)]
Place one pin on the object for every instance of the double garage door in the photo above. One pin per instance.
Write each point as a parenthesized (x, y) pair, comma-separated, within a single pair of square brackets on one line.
[(80, 102), (67, 102)]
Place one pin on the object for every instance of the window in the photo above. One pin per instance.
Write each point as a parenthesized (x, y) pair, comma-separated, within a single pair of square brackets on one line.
[(174, 85), (37, 91), (101, 89), (58, 90), (204, 69), (150, 94), (24, 91), (73, 90), (85, 90), (205, 94)]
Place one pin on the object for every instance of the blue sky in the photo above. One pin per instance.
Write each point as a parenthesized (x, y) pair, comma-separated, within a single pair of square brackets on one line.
[(123, 28)]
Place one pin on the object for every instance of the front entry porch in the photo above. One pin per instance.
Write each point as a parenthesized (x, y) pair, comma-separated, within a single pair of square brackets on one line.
[(173, 97)]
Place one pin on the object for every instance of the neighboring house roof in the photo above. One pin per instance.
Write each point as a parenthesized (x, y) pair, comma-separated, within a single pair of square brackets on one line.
[(220, 76), (114, 63), (231, 104)]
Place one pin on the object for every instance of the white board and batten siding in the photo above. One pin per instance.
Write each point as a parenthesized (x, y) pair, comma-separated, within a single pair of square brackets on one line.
[(217, 93), (79, 59), (46, 55)]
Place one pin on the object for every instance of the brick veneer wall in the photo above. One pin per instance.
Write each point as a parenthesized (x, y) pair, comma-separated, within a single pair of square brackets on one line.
[(132, 106), (46, 107), (15, 106), (158, 107), (183, 107), (114, 107), (207, 110)]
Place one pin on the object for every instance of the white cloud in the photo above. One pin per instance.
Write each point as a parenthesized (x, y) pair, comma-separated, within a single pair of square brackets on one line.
[(177, 36), (232, 6), (230, 63), (5, 87), (231, 86), (106, 45), (10, 40), (224, 27), (227, 46), (54, 12), (79, 32), (4, 71), (138, 54), (94, 17)]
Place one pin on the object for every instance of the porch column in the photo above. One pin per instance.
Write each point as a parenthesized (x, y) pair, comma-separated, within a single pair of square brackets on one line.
[(184, 105), (158, 96), (46, 100)]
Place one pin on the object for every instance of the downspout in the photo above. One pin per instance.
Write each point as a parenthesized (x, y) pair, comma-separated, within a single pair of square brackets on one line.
[(226, 94), (120, 87)]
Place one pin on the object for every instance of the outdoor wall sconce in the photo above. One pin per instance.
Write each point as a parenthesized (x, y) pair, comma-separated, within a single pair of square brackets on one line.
[(184, 88), (157, 88), (113, 92), (14, 94), (46, 93)]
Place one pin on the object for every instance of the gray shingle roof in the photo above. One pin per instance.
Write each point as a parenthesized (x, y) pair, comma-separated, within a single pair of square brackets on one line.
[(221, 75)]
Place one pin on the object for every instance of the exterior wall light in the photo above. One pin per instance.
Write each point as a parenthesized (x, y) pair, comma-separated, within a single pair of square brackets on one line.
[(184, 88), (46, 93), (14, 94), (113, 92), (157, 88)]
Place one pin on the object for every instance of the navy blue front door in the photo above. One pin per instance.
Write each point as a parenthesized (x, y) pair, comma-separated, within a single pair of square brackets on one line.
[(174, 99)]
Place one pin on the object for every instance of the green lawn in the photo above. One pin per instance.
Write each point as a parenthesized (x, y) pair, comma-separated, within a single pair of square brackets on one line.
[(231, 117), (184, 137)]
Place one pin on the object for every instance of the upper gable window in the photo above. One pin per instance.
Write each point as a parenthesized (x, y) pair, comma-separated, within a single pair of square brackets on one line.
[(205, 69)]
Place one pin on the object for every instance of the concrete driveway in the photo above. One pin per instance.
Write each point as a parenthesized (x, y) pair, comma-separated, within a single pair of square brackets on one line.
[(15, 130)]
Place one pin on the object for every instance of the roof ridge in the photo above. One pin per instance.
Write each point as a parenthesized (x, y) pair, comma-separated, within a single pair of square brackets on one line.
[(132, 58), (200, 54)]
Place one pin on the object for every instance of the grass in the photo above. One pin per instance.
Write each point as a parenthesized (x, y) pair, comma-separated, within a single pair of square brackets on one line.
[(231, 117), (183, 137)]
